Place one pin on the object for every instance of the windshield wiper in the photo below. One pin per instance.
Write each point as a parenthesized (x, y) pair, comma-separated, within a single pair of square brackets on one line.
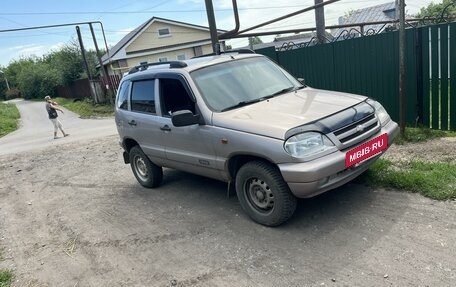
[(282, 91), (245, 103), (242, 103)]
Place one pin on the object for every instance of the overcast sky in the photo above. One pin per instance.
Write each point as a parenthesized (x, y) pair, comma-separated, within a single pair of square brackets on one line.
[(121, 16)]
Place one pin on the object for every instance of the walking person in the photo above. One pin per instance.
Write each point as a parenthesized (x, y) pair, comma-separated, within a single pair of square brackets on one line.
[(52, 108)]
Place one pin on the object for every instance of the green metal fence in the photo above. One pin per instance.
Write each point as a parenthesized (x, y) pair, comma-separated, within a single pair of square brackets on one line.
[(439, 76), (370, 66)]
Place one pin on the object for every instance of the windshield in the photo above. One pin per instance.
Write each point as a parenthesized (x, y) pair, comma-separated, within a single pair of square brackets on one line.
[(233, 84)]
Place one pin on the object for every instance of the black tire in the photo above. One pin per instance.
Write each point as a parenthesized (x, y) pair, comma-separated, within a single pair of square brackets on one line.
[(263, 194), (147, 173)]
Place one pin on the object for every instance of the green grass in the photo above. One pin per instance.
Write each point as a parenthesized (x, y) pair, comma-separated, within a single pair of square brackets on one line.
[(9, 116), (6, 278), (421, 134), (436, 180), (85, 108)]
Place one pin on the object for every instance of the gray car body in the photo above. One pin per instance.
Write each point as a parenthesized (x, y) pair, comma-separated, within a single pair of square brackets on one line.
[(223, 141)]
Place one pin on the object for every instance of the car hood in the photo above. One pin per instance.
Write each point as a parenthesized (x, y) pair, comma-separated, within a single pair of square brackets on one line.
[(274, 117)]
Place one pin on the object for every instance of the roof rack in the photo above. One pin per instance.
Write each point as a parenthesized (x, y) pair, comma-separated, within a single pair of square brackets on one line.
[(239, 51), (144, 65)]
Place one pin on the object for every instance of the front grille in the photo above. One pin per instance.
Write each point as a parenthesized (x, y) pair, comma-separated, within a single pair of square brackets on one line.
[(357, 131)]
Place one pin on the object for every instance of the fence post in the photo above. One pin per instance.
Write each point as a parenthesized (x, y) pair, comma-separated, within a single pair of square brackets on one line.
[(402, 72), (419, 74)]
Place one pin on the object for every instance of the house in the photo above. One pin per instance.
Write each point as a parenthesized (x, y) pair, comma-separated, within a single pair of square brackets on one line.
[(290, 42), (299, 40), (158, 40), (382, 12)]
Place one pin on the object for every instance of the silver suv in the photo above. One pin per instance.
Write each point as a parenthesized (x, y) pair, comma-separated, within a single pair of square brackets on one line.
[(242, 119)]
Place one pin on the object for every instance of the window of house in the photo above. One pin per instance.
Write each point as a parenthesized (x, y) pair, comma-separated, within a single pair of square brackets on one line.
[(122, 100), (163, 59), (181, 57), (123, 63), (198, 50), (164, 32), (143, 96)]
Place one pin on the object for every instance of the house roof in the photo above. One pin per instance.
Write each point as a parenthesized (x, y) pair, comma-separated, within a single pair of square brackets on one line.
[(291, 41), (130, 36), (382, 12)]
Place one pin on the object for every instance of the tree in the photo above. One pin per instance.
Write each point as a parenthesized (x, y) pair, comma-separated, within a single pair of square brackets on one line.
[(92, 61), (35, 77), (256, 40), (67, 61), (15, 68), (447, 9), (38, 81)]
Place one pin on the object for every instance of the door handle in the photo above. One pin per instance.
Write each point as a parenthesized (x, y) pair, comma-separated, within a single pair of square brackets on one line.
[(165, 128), (132, 123)]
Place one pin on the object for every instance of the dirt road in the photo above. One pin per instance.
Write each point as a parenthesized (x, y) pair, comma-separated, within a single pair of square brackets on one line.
[(36, 129), (73, 215)]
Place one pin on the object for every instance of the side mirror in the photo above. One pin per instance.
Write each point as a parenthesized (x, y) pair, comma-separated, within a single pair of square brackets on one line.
[(302, 81), (184, 118)]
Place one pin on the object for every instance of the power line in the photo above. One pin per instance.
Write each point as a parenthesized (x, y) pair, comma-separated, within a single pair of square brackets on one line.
[(148, 11)]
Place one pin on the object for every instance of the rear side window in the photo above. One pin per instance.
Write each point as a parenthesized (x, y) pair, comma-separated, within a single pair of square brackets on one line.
[(122, 99), (143, 96)]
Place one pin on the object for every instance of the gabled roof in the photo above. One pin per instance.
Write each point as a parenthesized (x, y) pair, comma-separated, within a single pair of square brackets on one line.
[(131, 36), (382, 12)]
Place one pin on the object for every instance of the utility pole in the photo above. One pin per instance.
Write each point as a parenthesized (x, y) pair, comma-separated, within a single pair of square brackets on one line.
[(320, 22), (397, 8), (402, 92), (212, 26), (6, 80), (81, 44), (103, 69)]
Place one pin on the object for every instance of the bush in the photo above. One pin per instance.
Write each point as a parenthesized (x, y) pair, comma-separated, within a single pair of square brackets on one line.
[(13, 93)]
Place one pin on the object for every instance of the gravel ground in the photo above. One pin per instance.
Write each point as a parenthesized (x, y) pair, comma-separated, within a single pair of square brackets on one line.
[(442, 149), (74, 215)]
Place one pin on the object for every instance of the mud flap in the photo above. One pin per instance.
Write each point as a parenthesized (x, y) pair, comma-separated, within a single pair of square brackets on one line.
[(126, 157), (230, 190)]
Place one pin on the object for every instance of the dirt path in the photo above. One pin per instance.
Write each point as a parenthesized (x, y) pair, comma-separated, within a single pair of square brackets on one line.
[(36, 130), (73, 215)]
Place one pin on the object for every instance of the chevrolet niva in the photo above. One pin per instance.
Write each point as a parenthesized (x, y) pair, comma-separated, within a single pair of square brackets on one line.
[(242, 119)]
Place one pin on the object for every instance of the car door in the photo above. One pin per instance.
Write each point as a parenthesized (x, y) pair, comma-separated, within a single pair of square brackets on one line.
[(122, 104), (187, 148), (142, 119)]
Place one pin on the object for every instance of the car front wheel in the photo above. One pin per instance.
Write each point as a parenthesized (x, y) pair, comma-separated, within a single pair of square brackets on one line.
[(263, 194), (147, 173)]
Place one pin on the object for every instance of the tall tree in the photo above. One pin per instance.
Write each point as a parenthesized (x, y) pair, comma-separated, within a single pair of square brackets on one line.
[(67, 61), (16, 67), (447, 9), (38, 81)]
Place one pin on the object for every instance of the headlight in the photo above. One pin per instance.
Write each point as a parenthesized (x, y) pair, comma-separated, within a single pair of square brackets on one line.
[(380, 111), (307, 144)]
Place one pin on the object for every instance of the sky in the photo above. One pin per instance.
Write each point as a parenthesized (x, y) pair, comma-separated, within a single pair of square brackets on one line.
[(118, 17)]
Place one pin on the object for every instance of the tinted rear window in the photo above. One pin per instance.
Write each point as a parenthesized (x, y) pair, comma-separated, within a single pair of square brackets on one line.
[(143, 96)]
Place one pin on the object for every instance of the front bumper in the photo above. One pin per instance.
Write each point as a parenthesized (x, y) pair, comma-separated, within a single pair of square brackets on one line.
[(311, 178)]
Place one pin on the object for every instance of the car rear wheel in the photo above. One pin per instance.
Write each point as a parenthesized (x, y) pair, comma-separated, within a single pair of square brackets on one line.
[(147, 173), (263, 194)]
